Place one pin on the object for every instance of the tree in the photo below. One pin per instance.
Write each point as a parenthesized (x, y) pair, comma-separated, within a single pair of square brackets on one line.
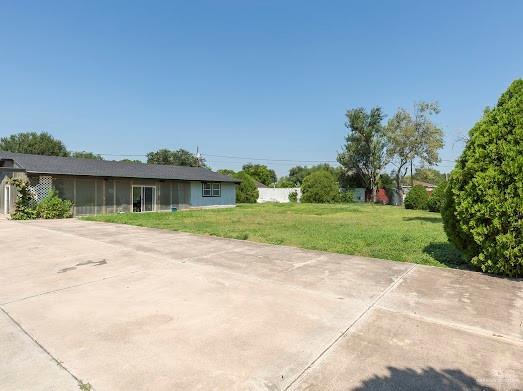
[(226, 171), (436, 198), (483, 209), (284, 182), (180, 157), (86, 155), (297, 174), (260, 173), (320, 187), (413, 137), (130, 161), (33, 143), (246, 191), (417, 198), (364, 151), (429, 175)]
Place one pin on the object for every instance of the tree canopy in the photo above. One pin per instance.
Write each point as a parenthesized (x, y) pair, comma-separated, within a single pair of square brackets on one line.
[(33, 143), (364, 150), (483, 209), (298, 173), (86, 155), (413, 137), (179, 157), (260, 173)]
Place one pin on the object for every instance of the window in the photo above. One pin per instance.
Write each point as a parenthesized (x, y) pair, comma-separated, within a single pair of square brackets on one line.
[(211, 189)]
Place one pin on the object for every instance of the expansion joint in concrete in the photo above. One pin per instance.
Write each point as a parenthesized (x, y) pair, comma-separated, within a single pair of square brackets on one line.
[(351, 326)]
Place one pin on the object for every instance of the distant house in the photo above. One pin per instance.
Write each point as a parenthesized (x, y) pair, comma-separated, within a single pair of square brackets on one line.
[(99, 186)]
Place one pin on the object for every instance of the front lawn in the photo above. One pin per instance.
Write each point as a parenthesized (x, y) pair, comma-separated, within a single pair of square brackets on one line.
[(385, 232)]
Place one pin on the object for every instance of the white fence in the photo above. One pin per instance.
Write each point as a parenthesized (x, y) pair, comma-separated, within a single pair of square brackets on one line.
[(278, 194)]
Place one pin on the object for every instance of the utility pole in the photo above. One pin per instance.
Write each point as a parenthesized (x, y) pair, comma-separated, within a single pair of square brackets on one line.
[(198, 156)]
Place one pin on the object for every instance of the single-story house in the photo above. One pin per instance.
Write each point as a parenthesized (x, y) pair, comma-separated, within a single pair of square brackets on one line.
[(99, 186)]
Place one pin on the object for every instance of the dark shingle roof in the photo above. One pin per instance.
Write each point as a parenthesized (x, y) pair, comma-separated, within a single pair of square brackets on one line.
[(39, 164)]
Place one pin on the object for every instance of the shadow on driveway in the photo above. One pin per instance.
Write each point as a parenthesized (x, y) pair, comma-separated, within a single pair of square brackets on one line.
[(426, 379)]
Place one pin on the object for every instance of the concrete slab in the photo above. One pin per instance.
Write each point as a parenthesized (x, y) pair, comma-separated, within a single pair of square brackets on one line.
[(25, 366), (468, 299), (134, 308), (392, 351)]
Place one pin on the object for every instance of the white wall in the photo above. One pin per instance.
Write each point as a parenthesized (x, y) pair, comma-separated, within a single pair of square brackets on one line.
[(279, 194)]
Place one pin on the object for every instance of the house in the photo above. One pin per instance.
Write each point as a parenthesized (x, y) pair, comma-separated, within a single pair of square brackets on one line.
[(99, 186)]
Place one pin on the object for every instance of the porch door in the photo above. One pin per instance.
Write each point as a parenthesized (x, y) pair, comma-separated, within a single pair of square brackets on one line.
[(144, 198)]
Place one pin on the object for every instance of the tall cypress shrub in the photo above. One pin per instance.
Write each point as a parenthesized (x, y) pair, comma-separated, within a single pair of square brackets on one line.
[(483, 205)]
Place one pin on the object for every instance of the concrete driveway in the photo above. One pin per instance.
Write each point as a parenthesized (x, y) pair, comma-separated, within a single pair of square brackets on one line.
[(128, 308)]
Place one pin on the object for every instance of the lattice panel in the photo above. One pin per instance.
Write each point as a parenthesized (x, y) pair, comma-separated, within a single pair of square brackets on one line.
[(44, 186)]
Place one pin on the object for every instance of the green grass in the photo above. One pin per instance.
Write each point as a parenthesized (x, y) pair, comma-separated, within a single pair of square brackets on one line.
[(385, 232)]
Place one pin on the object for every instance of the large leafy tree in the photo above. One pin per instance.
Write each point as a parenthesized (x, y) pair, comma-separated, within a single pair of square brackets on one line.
[(33, 143), (226, 171), (298, 173), (429, 175), (260, 173), (483, 208), (364, 150), (86, 155), (413, 137), (179, 157)]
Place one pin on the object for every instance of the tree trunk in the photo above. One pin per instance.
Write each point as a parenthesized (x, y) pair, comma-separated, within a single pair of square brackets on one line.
[(373, 190), (399, 189)]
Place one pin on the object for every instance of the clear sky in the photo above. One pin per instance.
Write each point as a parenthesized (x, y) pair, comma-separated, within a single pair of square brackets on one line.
[(259, 79)]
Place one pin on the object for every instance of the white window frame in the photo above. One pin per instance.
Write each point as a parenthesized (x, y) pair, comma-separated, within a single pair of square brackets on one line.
[(143, 198), (209, 188)]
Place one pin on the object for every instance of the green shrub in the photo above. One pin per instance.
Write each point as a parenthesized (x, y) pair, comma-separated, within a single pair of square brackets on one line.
[(293, 196), (246, 191), (320, 187), (417, 198), (53, 207), (483, 209), (436, 198), (25, 205), (346, 196)]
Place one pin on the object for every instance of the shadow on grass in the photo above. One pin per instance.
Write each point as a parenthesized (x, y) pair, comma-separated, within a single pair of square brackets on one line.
[(447, 254), (426, 379), (428, 219)]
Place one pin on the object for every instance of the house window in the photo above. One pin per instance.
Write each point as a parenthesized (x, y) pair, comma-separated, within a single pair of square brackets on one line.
[(211, 189)]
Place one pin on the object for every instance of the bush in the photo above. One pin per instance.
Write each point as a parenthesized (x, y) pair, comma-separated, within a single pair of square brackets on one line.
[(246, 191), (482, 209), (416, 198), (53, 207), (25, 203), (436, 198), (320, 187), (293, 196), (346, 196)]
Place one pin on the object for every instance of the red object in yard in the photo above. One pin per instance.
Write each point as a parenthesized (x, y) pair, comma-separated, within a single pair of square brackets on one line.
[(382, 197)]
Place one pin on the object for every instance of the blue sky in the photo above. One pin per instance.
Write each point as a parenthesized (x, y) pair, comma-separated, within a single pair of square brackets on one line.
[(258, 79)]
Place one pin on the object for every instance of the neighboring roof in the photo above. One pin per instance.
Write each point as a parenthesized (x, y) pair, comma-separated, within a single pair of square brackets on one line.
[(260, 185), (39, 164)]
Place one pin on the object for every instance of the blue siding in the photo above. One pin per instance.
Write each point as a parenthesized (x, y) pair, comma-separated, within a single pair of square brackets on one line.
[(228, 196)]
